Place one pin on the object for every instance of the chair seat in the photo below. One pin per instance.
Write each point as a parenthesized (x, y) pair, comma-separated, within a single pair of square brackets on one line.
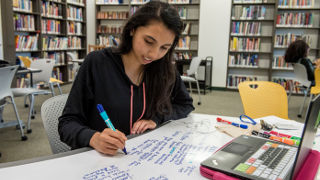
[(315, 90), (187, 78), (54, 80), (25, 91)]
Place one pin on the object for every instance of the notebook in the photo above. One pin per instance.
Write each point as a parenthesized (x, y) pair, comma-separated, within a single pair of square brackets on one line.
[(248, 157)]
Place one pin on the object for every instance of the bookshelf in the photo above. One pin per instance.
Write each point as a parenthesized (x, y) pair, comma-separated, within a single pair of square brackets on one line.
[(111, 15), (50, 29), (287, 30), (251, 40), (260, 34)]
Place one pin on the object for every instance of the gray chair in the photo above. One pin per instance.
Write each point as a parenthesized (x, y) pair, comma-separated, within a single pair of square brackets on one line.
[(6, 77), (51, 110), (46, 65), (192, 75), (301, 76)]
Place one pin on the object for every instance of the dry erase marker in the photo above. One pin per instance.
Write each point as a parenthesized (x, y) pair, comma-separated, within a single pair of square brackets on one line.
[(106, 119), (243, 126)]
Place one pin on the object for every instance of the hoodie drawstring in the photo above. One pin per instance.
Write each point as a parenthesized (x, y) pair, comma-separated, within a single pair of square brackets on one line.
[(131, 105)]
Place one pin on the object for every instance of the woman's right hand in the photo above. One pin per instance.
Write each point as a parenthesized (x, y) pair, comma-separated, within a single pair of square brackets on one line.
[(108, 141)]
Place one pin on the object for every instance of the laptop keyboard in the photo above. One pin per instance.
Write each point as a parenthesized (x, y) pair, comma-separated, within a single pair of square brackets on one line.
[(272, 161)]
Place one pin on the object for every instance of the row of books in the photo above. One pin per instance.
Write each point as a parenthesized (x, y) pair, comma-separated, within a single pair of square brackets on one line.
[(108, 41), (280, 63), (50, 9), (245, 44), (296, 3), (110, 29), (74, 13), (246, 28), (112, 15), (22, 5), (56, 73), (283, 40), (186, 28), (133, 9), (234, 80), (182, 12), (74, 28), (80, 2), (72, 70), (250, 1), (244, 60), (109, 1), (179, 1), (26, 42), (61, 43), (248, 12), (139, 1), (23, 22), (58, 57), (286, 83), (295, 19), (184, 43), (183, 55), (50, 26)]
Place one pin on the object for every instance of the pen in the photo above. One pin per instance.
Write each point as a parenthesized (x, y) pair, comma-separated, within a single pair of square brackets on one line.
[(107, 120), (243, 126)]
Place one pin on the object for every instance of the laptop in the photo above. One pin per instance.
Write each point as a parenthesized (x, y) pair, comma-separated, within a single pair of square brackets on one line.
[(248, 157)]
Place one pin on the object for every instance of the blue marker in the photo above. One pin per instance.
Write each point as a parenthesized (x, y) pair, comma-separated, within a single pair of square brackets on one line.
[(106, 119)]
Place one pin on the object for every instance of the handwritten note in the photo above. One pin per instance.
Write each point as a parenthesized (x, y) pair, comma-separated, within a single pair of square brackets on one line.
[(172, 151)]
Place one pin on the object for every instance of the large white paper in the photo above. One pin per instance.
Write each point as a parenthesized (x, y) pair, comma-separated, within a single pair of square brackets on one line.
[(173, 151)]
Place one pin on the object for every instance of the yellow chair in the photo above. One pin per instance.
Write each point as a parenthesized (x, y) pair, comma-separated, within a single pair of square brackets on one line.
[(316, 89), (263, 98)]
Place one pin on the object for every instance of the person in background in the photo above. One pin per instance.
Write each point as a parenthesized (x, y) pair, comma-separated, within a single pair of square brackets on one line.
[(137, 84), (298, 52)]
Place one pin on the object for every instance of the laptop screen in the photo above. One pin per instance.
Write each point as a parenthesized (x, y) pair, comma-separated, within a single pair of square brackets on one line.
[(309, 133)]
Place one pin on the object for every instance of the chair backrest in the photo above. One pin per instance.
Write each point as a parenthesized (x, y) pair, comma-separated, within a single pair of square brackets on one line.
[(301, 74), (317, 77), (95, 47), (51, 110), (6, 77), (46, 66), (263, 98), (194, 65)]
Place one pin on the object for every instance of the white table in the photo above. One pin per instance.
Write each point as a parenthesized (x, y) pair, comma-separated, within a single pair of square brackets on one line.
[(173, 151)]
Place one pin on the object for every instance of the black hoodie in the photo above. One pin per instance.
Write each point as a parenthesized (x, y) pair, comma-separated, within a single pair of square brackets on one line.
[(102, 80)]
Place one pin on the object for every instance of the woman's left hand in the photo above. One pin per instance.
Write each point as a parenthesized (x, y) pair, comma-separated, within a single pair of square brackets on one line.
[(142, 125)]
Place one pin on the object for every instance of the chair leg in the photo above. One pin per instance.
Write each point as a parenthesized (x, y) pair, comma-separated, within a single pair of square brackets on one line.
[(290, 90), (58, 85), (1, 111), (199, 102), (52, 89), (29, 130), (302, 105), (190, 87), (23, 137), (25, 102)]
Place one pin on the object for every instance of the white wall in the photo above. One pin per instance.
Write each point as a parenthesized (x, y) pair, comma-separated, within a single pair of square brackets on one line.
[(214, 36), (91, 22), (1, 43)]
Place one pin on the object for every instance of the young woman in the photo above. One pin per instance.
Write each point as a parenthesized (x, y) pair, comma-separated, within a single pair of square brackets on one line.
[(297, 52), (137, 84)]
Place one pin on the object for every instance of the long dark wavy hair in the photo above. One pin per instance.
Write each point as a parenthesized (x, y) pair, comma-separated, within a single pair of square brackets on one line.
[(296, 50), (160, 75)]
